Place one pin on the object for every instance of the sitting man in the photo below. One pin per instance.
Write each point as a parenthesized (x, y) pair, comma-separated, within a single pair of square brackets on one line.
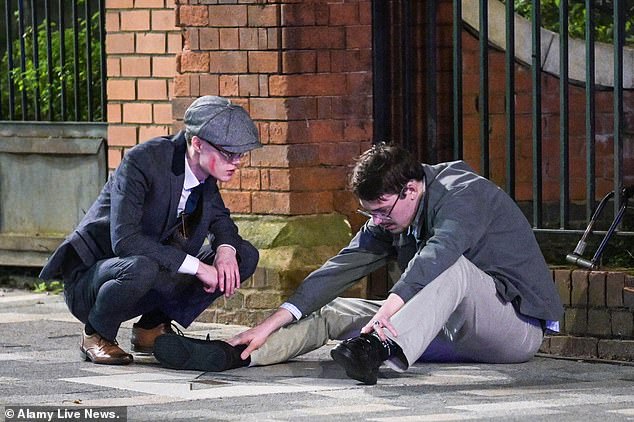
[(139, 248), (474, 285)]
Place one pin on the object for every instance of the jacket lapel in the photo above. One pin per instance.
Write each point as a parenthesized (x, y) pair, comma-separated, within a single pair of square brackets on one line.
[(176, 180)]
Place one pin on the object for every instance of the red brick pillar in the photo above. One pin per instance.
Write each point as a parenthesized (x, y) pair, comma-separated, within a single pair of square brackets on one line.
[(303, 71), (141, 45)]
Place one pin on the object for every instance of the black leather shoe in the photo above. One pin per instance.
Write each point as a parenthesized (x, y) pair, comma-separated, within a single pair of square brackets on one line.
[(361, 357), (180, 352)]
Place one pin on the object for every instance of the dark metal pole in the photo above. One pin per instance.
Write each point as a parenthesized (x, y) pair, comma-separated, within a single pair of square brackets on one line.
[(62, 58), (36, 61), (457, 80), (510, 98), (22, 56), (89, 87), (406, 73), (102, 61), (11, 86), (49, 58), (564, 193), (380, 73), (431, 85), (590, 111), (76, 59), (619, 41), (484, 87), (536, 67)]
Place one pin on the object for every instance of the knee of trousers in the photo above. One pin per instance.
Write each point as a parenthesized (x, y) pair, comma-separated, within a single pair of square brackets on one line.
[(140, 270), (249, 257), (340, 318)]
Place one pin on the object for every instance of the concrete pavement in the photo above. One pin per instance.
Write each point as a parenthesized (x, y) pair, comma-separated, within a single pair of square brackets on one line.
[(40, 366)]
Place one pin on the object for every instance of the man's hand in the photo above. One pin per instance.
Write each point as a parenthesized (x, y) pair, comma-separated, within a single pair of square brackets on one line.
[(226, 265), (255, 337), (208, 275), (382, 317)]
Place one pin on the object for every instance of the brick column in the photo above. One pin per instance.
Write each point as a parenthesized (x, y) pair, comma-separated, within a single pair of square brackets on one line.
[(303, 71), (141, 45)]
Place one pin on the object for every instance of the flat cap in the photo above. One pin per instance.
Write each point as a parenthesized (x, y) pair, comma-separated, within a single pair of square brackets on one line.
[(218, 121)]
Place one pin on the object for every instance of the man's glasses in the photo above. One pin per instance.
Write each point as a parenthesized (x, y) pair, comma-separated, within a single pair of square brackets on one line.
[(229, 156), (384, 217)]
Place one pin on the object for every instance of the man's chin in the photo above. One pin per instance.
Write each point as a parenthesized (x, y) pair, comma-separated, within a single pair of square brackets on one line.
[(394, 229)]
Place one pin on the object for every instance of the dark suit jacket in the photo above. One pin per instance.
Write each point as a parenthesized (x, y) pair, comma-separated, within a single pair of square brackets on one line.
[(136, 213)]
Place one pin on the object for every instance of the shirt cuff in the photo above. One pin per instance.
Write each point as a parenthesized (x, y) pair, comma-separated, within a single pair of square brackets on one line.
[(292, 309), (189, 265), (228, 246)]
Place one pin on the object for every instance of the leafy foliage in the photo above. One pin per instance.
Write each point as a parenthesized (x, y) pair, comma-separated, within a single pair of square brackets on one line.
[(54, 287), (603, 18), (34, 79)]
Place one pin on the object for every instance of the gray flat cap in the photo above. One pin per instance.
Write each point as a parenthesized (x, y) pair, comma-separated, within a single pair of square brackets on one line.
[(226, 125)]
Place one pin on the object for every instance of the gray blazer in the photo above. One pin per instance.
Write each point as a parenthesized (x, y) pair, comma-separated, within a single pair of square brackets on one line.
[(136, 213), (461, 214)]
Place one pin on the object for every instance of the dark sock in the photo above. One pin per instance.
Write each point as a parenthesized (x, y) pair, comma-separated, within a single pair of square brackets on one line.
[(389, 347), (152, 319), (89, 330)]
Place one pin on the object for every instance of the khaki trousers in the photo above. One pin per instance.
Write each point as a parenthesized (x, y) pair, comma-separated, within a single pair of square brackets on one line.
[(458, 317)]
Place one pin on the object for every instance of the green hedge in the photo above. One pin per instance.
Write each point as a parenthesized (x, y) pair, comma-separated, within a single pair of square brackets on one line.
[(603, 16), (35, 80)]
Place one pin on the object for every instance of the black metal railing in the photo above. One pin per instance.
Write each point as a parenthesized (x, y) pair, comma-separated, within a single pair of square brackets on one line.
[(52, 60), (564, 223)]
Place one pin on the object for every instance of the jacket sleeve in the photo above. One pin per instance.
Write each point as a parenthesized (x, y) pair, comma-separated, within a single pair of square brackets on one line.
[(129, 189), (458, 221), (366, 252)]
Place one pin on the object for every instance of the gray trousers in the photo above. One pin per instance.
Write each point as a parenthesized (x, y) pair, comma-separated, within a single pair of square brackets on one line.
[(458, 317)]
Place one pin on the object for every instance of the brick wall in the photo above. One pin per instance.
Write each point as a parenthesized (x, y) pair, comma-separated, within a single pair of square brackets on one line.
[(303, 71), (141, 44), (599, 315)]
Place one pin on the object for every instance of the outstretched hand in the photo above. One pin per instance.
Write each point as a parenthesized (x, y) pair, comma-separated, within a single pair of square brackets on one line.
[(253, 338)]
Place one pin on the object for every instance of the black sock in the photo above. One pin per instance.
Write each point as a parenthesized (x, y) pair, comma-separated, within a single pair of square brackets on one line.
[(390, 348), (88, 329), (151, 319)]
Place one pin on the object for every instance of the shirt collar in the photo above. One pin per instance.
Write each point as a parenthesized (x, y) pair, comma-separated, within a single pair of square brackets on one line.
[(190, 180)]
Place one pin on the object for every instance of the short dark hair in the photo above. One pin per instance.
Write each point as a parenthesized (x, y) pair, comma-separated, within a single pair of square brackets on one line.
[(383, 169)]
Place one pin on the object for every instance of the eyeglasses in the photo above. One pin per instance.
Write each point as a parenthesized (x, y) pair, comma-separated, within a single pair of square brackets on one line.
[(384, 217), (229, 156)]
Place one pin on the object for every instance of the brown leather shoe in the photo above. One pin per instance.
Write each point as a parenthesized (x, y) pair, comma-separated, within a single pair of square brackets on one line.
[(143, 339), (99, 350)]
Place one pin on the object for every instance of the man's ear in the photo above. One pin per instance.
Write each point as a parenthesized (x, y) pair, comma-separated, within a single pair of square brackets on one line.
[(196, 142), (410, 187)]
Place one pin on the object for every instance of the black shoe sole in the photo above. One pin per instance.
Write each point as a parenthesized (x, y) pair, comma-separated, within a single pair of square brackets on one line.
[(344, 357), (179, 352)]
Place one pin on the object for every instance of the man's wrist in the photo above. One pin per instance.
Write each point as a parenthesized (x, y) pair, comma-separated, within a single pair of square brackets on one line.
[(226, 246)]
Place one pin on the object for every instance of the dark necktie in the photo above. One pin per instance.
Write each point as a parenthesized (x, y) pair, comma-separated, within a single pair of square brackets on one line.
[(192, 200)]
